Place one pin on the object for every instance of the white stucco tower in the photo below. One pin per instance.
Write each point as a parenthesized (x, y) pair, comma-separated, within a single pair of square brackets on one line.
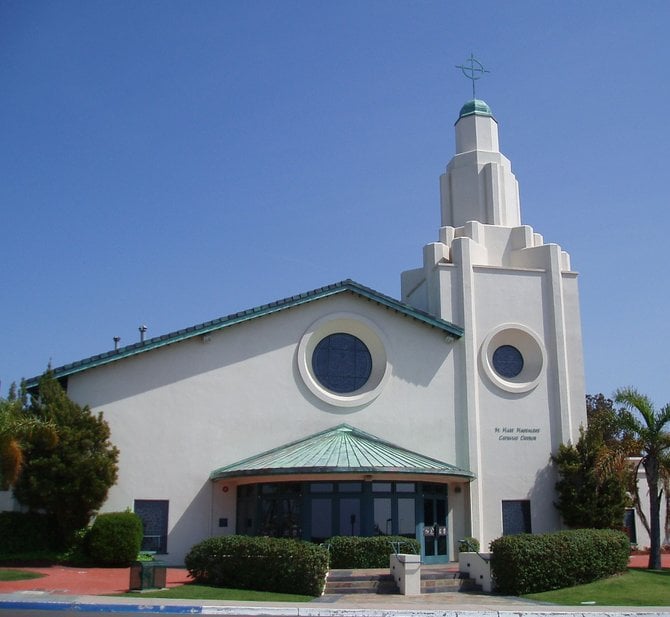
[(519, 386)]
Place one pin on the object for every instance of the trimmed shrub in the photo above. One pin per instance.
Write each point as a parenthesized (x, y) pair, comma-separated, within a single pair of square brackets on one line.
[(25, 532), (370, 552), (528, 563), (263, 564), (468, 545), (115, 538)]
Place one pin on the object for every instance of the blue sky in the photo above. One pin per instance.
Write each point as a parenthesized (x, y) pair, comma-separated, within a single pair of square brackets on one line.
[(167, 163)]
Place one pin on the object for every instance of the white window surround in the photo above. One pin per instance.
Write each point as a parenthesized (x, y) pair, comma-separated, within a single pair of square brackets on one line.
[(529, 345), (360, 327)]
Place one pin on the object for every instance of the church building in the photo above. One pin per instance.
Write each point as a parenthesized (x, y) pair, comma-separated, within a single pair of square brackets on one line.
[(342, 411)]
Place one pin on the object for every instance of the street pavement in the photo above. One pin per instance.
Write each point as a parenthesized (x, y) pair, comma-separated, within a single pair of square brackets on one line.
[(78, 590)]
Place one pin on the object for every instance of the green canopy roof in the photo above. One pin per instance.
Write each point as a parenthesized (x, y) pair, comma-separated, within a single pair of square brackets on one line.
[(342, 449)]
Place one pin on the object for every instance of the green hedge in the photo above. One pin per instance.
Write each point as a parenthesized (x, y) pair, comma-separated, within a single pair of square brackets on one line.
[(25, 532), (528, 563), (115, 538), (373, 552), (259, 563)]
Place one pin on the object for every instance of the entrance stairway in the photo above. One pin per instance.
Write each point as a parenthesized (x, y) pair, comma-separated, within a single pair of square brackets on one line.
[(434, 579)]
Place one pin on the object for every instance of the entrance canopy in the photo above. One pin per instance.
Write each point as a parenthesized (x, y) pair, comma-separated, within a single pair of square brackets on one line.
[(342, 449)]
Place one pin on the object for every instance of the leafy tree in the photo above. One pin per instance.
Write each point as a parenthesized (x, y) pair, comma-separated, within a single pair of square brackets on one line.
[(69, 481), (15, 428), (594, 473), (648, 426)]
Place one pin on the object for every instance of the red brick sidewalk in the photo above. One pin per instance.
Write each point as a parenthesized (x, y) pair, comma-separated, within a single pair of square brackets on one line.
[(107, 581), (84, 581), (642, 561)]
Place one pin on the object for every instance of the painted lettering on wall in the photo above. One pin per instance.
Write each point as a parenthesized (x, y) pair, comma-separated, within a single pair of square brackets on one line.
[(516, 433)]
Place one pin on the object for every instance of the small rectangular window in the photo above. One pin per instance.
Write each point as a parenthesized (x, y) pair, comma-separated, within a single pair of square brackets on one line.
[(629, 525), (154, 515), (516, 516), (349, 487), (405, 487), (321, 487)]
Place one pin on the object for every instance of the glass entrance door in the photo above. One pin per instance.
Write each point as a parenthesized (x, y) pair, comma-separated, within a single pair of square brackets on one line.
[(435, 545)]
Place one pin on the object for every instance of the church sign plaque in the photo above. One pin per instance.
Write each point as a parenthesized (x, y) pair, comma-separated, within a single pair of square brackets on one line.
[(516, 433)]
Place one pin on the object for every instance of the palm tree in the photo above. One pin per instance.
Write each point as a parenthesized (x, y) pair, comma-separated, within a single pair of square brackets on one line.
[(15, 426), (648, 426)]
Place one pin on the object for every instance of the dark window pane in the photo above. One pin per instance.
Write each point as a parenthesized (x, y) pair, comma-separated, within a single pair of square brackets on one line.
[(383, 523), (350, 517), (406, 517), (280, 517), (629, 525), (516, 517), (405, 487), (342, 363), (154, 515), (507, 361), (349, 487), (322, 517)]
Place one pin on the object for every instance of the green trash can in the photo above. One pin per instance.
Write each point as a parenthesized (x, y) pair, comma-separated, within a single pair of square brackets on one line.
[(147, 575)]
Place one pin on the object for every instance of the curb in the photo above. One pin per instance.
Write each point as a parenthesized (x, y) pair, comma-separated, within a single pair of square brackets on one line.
[(287, 611), (101, 608)]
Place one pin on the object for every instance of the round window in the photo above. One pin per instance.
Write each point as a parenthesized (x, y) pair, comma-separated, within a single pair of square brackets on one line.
[(507, 361), (512, 356), (342, 359), (342, 363)]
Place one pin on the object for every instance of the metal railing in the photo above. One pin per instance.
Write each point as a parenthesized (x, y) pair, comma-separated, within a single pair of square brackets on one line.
[(473, 549)]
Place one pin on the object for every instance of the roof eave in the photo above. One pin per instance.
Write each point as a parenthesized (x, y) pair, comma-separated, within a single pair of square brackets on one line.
[(326, 471), (452, 331)]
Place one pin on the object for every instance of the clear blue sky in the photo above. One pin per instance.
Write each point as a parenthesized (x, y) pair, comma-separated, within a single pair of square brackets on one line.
[(168, 163)]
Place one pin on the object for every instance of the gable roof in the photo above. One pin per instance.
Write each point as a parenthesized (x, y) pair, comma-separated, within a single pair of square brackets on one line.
[(347, 286), (342, 449)]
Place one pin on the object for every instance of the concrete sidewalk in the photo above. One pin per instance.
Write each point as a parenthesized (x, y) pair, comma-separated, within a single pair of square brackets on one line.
[(430, 605), (77, 589)]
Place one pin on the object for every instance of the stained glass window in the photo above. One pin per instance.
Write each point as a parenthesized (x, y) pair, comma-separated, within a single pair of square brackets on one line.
[(507, 361), (154, 515), (342, 363), (516, 517)]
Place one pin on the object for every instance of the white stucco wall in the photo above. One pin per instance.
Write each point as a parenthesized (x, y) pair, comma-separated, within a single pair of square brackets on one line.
[(511, 434), (179, 412)]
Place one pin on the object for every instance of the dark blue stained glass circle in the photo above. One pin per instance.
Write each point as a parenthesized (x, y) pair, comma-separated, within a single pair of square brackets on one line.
[(507, 361), (342, 363)]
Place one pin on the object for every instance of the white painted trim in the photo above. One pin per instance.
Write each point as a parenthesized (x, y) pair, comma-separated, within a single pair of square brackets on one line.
[(368, 332), (531, 348)]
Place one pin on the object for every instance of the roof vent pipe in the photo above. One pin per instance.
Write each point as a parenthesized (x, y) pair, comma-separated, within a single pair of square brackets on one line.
[(117, 340), (142, 330)]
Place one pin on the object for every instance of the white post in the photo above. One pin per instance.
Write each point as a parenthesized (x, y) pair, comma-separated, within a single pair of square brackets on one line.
[(406, 572)]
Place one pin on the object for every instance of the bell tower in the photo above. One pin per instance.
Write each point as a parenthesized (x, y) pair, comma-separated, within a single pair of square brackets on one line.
[(518, 370), (478, 184)]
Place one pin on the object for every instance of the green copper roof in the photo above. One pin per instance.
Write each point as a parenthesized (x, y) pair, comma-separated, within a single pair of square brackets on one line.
[(347, 286), (475, 107), (342, 449)]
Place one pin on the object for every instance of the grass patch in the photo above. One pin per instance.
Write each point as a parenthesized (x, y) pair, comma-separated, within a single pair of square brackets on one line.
[(195, 591), (18, 575), (634, 588)]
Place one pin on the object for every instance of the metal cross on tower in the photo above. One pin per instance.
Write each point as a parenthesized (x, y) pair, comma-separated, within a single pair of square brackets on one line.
[(473, 72)]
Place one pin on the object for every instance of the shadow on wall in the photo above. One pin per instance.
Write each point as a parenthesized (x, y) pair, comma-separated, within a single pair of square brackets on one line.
[(544, 514), (193, 526)]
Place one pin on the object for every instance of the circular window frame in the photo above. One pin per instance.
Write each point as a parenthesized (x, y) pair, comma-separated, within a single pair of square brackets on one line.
[(363, 329), (529, 345)]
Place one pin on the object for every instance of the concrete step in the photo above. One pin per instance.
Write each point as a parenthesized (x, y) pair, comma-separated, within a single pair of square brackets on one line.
[(380, 581), (447, 585), (360, 583)]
